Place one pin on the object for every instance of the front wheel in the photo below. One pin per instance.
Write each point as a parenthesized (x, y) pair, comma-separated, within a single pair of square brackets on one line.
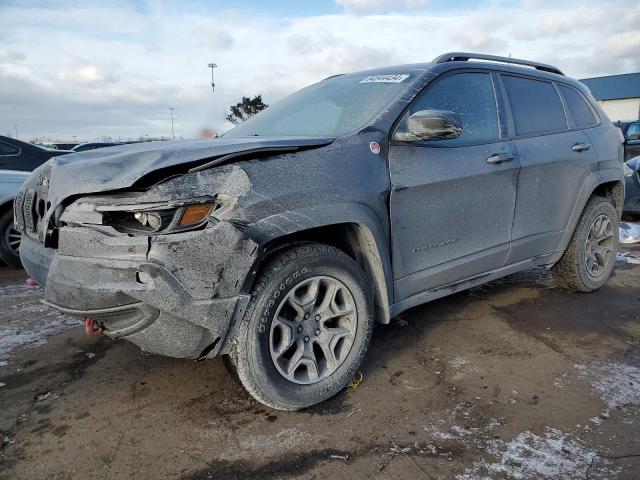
[(9, 240), (306, 329), (591, 254)]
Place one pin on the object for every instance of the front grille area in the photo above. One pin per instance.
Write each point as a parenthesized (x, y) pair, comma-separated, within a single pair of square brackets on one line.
[(30, 208), (18, 216)]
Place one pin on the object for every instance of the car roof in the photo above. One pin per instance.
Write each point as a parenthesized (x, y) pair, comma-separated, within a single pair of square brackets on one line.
[(433, 69)]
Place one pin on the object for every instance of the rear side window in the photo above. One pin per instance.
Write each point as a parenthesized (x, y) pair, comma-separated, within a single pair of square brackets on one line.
[(580, 111), (471, 96), (6, 149), (535, 104)]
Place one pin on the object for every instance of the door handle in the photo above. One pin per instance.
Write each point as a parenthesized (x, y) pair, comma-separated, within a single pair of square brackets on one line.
[(580, 147), (498, 158)]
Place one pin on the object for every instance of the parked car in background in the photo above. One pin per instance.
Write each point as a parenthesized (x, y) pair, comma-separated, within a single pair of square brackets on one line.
[(17, 160), (10, 183), (348, 202), (632, 187), (23, 156), (631, 132), (82, 147)]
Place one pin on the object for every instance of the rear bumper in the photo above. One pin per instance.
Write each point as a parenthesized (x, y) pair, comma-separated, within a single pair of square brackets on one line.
[(632, 194), (174, 295)]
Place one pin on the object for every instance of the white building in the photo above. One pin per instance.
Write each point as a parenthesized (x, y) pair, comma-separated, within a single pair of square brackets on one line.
[(619, 95)]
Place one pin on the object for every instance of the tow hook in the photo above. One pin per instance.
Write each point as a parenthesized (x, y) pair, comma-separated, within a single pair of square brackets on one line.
[(93, 328)]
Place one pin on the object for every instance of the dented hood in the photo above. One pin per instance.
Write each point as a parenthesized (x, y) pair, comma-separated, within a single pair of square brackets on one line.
[(120, 167)]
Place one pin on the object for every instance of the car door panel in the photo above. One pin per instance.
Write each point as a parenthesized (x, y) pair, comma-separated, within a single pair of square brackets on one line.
[(551, 174), (451, 213), (442, 232)]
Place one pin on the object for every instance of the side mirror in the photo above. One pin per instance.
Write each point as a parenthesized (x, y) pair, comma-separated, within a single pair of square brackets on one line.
[(430, 125)]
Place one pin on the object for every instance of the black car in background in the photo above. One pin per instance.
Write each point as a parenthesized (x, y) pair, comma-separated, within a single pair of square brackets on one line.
[(23, 156), (17, 159), (631, 132), (83, 147)]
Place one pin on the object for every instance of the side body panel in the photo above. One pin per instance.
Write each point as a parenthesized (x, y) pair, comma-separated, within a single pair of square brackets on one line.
[(551, 175), (451, 214)]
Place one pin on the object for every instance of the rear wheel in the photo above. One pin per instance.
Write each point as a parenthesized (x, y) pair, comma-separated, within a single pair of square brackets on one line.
[(589, 259), (306, 329), (9, 241)]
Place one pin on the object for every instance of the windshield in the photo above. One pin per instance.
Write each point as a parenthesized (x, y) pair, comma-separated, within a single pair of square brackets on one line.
[(331, 108)]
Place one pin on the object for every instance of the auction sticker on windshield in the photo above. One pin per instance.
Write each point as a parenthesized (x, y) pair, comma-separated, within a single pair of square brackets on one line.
[(389, 78)]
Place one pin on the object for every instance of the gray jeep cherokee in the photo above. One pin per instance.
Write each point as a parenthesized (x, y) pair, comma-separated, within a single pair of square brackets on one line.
[(346, 203)]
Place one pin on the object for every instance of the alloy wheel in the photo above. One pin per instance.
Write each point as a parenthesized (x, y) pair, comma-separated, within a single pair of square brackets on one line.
[(599, 245), (313, 330)]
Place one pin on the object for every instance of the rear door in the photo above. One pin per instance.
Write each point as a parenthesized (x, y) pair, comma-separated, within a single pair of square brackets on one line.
[(452, 201), (555, 158)]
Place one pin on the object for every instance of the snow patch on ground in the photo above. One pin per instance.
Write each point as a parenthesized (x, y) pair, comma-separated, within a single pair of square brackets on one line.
[(553, 455), (617, 384), (458, 362), (626, 257), (28, 324)]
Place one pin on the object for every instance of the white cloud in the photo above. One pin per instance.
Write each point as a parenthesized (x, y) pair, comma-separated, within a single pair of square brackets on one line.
[(119, 76), (372, 6)]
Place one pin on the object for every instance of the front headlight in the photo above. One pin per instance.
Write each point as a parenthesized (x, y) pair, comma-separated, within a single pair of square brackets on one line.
[(141, 218), (626, 170), (158, 220)]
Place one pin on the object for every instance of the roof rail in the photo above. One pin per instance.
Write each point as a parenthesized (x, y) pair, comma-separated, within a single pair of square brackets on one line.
[(464, 56)]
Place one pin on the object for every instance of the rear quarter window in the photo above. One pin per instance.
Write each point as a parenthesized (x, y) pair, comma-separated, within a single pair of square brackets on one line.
[(7, 149), (535, 105), (580, 111)]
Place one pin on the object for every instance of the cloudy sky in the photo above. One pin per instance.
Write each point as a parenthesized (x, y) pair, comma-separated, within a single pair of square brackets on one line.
[(114, 67)]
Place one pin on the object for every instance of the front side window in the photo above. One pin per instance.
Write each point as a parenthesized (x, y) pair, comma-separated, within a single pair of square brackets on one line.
[(7, 149), (535, 105), (471, 96), (580, 111)]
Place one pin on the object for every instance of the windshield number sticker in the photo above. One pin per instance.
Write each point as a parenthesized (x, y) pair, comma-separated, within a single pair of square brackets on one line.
[(391, 78)]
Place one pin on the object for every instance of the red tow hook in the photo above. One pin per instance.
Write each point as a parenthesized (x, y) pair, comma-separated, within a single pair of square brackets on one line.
[(31, 282), (92, 327)]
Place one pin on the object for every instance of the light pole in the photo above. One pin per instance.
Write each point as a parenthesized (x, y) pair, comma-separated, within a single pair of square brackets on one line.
[(173, 136), (213, 85)]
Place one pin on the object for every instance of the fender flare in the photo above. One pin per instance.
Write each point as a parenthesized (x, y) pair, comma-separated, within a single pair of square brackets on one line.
[(369, 233), (589, 185)]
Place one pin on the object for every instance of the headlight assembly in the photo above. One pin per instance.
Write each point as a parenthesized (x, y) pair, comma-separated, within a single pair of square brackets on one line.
[(142, 218), (157, 220)]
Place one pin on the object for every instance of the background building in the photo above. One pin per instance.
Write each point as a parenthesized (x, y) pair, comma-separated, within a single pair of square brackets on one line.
[(619, 95)]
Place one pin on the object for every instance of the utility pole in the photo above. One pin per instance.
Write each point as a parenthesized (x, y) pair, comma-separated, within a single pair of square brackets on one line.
[(213, 85), (173, 136), (15, 127)]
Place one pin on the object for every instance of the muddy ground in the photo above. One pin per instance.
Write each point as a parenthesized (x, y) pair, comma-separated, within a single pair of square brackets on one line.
[(515, 379)]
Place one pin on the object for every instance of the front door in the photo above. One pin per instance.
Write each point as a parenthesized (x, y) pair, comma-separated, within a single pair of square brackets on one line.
[(452, 201)]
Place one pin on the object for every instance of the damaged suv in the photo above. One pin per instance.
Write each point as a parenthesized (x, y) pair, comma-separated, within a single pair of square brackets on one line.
[(346, 203)]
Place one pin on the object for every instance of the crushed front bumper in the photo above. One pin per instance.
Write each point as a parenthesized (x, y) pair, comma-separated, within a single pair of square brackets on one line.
[(175, 295)]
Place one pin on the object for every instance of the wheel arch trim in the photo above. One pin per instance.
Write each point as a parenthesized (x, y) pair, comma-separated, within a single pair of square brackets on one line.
[(364, 236), (594, 181)]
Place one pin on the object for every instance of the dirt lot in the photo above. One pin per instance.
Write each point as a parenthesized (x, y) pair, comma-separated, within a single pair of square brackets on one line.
[(515, 379)]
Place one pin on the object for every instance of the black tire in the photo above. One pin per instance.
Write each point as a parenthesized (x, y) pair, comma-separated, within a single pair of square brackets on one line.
[(252, 356), (7, 253), (571, 271)]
